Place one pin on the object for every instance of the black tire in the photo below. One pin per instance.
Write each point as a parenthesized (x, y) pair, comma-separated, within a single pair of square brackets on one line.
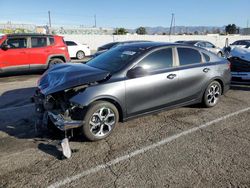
[(212, 94), (55, 61), (97, 128), (80, 55)]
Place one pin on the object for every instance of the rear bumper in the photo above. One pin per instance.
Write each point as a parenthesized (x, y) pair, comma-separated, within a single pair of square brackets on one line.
[(240, 77)]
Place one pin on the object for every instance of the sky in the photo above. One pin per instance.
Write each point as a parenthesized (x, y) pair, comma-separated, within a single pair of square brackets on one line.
[(127, 13)]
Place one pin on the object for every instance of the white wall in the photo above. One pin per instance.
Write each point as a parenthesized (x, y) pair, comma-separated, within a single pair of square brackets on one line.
[(95, 41)]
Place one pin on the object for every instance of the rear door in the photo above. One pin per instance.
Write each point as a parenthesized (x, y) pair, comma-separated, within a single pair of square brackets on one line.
[(156, 89), (16, 57), (193, 73), (39, 51)]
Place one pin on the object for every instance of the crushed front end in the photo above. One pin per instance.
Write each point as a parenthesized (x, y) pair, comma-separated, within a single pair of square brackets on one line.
[(56, 109)]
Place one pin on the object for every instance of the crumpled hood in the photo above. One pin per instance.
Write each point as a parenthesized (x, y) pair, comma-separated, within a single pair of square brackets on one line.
[(68, 75), (242, 53)]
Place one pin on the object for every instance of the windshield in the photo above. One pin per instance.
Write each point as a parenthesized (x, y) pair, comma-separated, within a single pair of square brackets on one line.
[(115, 59)]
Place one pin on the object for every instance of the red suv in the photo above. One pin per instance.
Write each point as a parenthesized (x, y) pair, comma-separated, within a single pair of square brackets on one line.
[(22, 52)]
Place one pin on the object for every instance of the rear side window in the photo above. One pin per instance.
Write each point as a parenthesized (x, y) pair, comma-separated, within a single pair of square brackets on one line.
[(51, 40), (17, 43), (37, 42), (71, 43), (188, 56), (207, 58), (157, 60)]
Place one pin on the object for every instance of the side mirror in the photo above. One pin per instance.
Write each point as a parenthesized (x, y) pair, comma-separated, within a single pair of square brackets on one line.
[(5, 47), (137, 72)]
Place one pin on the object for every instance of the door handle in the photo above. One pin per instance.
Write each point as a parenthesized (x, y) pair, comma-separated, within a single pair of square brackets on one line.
[(206, 70), (171, 76)]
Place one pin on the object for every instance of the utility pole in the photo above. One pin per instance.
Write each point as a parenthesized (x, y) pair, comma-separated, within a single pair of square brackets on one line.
[(247, 23), (95, 20), (171, 25), (49, 19)]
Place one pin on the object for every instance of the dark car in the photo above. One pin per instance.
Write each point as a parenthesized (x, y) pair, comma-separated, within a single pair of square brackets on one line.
[(204, 44), (129, 81), (241, 43), (240, 70), (110, 45)]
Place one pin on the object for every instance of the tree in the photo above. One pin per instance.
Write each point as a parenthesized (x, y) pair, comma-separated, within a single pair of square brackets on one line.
[(231, 29), (196, 33), (141, 31), (120, 31)]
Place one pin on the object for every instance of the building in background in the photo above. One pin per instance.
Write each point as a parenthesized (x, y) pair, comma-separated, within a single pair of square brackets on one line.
[(82, 30), (245, 31)]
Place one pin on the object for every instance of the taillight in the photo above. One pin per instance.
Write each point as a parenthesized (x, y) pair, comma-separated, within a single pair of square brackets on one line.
[(229, 65)]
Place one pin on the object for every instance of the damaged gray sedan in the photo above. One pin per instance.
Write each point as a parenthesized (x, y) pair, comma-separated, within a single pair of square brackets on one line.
[(126, 82)]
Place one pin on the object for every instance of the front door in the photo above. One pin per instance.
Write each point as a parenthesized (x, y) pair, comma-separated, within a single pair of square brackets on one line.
[(16, 56), (157, 89)]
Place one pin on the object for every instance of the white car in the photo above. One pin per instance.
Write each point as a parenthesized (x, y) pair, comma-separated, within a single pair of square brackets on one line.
[(77, 50)]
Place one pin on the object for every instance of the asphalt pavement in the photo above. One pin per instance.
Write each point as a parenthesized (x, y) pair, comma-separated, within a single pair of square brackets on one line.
[(186, 147)]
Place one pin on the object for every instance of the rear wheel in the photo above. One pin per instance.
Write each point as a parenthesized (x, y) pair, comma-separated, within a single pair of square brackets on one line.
[(219, 54), (212, 94), (100, 120), (55, 61), (80, 55)]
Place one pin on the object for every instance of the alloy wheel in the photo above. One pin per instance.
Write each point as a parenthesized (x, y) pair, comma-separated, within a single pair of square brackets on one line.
[(213, 94), (102, 122)]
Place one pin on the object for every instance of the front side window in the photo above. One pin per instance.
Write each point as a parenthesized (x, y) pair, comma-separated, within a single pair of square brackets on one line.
[(157, 60), (188, 56), (209, 45), (37, 42), (17, 43), (201, 44)]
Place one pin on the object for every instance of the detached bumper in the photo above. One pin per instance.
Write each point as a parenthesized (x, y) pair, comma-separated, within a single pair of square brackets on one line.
[(63, 124)]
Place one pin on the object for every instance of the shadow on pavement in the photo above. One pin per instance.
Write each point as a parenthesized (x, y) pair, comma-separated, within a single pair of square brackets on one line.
[(51, 150), (17, 120), (20, 74), (17, 97), (240, 87)]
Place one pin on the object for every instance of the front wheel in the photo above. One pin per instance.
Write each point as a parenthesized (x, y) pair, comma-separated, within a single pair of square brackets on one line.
[(212, 94), (100, 120)]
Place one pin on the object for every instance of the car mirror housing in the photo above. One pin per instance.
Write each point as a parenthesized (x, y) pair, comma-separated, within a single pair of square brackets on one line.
[(137, 72)]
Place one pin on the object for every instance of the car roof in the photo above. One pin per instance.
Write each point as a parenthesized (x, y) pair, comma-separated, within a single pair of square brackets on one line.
[(151, 45), (28, 35), (194, 41), (245, 40)]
